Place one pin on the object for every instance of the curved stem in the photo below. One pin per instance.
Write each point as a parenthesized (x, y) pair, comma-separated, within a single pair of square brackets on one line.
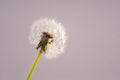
[(34, 65)]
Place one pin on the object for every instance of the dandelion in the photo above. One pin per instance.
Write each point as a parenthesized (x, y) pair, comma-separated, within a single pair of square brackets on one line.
[(49, 38)]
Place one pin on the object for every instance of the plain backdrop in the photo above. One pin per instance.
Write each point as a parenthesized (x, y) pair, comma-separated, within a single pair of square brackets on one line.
[(93, 39)]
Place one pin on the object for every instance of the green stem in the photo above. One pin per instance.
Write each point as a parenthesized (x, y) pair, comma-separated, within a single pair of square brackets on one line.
[(34, 65)]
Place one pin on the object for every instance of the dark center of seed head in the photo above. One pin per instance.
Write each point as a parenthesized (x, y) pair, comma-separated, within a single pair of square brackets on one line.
[(48, 35)]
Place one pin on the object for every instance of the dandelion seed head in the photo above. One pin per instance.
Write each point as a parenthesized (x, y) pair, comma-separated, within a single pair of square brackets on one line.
[(56, 29)]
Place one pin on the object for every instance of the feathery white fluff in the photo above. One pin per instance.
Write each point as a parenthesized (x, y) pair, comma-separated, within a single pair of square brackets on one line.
[(53, 27)]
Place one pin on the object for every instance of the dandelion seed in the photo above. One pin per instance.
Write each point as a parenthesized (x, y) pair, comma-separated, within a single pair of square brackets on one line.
[(55, 29)]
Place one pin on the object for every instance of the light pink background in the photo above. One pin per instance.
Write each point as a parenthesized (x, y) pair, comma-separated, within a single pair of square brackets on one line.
[(93, 46)]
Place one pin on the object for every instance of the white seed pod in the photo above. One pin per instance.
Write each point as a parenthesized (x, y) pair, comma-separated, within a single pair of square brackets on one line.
[(53, 27)]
